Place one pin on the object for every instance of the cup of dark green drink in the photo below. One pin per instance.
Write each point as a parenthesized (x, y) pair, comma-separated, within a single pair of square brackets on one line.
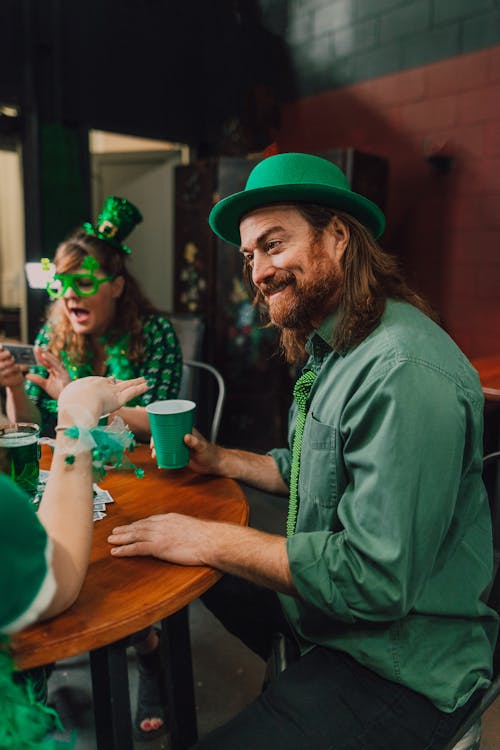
[(19, 454)]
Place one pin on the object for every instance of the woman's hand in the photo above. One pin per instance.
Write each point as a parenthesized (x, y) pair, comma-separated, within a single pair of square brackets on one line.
[(58, 377), (94, 396), (11, 374)]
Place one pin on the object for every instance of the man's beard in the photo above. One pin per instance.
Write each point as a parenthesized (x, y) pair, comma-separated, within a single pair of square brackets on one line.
[(302, 303), (302, 307)]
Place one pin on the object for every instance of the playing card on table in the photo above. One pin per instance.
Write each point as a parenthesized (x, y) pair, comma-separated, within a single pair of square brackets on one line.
[(99, 506), (101, 497)]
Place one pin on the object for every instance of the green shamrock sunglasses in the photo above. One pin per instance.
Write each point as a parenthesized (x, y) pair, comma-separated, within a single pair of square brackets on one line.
[(83, 284)]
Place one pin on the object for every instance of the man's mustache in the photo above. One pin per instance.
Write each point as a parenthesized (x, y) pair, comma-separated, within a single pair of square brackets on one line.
[(277, 284)]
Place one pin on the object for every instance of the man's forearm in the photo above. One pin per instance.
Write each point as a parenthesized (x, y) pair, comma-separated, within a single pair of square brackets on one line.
[(248, 553), (254, 469)]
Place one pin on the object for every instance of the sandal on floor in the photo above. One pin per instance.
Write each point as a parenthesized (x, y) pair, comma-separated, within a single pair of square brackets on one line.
[(150, 695)]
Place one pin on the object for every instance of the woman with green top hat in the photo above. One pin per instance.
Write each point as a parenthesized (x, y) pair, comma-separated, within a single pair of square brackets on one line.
[(100, 323), (47, 553)]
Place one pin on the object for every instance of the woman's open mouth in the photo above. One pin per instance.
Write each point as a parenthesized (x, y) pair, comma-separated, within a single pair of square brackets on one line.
[(79, 314)]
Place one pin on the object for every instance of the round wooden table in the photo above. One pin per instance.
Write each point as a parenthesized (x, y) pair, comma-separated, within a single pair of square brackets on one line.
[(121, 596), (489, 375)]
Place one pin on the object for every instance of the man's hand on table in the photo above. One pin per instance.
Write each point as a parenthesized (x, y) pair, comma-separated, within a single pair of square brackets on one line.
[(173, 537), (249, 553)]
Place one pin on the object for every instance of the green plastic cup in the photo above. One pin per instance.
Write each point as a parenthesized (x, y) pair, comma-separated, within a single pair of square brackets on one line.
[(170, 420)]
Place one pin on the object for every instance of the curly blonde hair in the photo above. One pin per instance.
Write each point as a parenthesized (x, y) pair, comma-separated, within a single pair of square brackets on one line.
[(132, 306)]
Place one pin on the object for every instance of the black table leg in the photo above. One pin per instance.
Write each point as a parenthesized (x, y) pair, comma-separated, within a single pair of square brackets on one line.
[(491, 472), (181, 707), (110, 690)]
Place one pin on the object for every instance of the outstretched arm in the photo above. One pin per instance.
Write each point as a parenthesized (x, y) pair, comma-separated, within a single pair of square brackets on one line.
[(248, 553), (66, 506)]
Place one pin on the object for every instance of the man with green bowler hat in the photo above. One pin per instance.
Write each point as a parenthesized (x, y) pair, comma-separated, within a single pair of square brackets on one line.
[(377, 581)]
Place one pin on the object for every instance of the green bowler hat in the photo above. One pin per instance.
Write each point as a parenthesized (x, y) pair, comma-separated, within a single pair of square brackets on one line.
[(285, 178), (115, 222)]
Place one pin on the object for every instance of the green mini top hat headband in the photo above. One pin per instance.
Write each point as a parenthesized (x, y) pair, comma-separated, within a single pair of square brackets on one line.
[(292, 177), (115, 222)]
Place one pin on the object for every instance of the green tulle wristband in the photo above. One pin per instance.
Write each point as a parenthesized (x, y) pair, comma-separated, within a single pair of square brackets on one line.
[(25, 723), (107, 445)]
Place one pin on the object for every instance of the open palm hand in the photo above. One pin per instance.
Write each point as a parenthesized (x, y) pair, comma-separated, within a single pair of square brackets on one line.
[(57, 375)]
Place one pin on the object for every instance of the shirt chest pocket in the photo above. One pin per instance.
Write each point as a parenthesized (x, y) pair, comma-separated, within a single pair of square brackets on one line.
[(318, 474)]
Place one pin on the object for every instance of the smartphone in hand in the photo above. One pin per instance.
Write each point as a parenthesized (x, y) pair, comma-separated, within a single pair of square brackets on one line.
[(23, 353)]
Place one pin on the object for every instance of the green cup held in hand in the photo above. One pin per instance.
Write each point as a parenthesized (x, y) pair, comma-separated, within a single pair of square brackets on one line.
[(170, 420)]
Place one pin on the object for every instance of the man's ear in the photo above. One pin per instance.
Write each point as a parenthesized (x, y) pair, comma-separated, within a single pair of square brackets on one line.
[(341, 234), (117, 286)]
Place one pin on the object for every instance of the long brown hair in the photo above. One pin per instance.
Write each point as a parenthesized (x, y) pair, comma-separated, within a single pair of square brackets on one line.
[(370, 276), (131, 307)]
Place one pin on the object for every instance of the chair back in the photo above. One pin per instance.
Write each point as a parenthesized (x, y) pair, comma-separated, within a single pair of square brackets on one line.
[(459, 741), (204, 384), (200, 382), (190, 330)]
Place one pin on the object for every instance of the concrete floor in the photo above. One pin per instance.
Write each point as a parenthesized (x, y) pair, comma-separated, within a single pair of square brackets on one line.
[(227, 675)]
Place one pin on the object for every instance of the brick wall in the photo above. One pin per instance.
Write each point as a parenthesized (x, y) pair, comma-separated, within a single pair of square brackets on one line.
[(438, 101), (336, 43)]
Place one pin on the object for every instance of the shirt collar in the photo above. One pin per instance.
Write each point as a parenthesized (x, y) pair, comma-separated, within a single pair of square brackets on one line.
[(318, 344)]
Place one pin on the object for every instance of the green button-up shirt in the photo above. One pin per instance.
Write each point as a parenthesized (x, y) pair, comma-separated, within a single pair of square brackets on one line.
[(392, 553)]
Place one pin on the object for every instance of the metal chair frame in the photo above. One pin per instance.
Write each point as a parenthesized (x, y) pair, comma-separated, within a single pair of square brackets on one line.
[(194, 364), (190, 330)]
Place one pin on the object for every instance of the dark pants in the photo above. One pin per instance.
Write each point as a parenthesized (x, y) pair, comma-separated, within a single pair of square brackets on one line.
[(324, 700)]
